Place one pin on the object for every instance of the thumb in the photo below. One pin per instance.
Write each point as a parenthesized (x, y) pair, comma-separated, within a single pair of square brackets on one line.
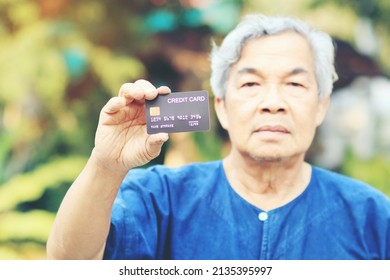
[(155, 142)]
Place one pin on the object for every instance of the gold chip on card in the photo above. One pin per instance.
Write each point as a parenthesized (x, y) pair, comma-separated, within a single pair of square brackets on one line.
[(154, 111)]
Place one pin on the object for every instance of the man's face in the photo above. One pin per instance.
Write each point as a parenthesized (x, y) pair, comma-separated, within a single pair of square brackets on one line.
[(271, 107)]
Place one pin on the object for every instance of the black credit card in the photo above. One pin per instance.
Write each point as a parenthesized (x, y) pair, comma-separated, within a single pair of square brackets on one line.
[(178, 112)]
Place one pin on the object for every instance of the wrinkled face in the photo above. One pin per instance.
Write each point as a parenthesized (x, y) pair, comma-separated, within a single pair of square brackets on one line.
[(272, 108)]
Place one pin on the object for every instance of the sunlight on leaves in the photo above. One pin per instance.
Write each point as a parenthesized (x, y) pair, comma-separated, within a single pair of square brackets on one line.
[(30, 186)]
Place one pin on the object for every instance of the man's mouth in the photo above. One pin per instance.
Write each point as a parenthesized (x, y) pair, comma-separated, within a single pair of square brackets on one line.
[(272, 129)]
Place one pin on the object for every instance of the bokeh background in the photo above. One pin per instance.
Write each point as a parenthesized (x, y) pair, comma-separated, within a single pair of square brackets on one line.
[(61, 60)]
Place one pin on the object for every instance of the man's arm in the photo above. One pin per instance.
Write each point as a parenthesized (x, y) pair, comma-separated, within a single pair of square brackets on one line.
[(83, 220), (121, 143)]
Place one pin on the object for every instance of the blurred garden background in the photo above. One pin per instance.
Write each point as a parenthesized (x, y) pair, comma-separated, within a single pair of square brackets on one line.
[(61, 60)]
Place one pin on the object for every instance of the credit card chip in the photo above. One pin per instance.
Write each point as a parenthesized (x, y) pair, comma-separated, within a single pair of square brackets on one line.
[(154, 111)]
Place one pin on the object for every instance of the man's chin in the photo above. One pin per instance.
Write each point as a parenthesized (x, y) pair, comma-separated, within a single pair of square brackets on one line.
[(267, 158), (270, 158)]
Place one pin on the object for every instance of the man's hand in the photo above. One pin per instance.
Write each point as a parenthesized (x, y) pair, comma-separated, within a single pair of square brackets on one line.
[(121, 141)]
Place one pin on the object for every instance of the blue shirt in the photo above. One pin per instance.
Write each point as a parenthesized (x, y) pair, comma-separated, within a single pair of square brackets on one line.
[(192, 212)]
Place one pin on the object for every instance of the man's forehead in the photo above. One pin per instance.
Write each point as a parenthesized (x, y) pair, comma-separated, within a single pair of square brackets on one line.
[(287, 53), (282, 44), (264, 73)]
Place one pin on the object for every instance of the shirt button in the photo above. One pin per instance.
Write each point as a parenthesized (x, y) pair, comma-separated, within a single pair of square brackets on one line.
[(263, 216)]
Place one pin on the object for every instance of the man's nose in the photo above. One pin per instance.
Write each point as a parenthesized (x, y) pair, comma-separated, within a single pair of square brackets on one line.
[(272, 100)]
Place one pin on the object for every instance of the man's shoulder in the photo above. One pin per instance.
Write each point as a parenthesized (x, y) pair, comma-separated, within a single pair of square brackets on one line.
[(332, 178), (347, 187)]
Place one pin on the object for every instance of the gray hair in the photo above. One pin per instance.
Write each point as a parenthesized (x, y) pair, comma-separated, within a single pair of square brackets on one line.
[(255, 26)]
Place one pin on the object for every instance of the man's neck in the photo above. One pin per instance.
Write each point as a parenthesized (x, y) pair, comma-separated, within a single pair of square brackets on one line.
[(267, 184)]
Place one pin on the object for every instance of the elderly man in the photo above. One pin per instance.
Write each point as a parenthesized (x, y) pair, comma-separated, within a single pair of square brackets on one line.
[(272, 78)]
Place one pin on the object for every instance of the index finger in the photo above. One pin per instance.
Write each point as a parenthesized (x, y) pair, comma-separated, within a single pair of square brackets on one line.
[(139, 90), (163, 90)]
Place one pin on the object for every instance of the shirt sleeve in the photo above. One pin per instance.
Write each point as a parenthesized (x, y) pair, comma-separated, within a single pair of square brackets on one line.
[(139, 218)]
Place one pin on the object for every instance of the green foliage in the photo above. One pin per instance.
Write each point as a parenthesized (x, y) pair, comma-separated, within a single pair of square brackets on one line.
[(20, 230), (209, 145), (19, 226), (377, 12), (30, 186), (114, 70), (374, 171)]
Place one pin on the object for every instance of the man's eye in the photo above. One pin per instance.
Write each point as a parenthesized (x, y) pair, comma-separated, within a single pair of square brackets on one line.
[(250, 84), (294, 84)]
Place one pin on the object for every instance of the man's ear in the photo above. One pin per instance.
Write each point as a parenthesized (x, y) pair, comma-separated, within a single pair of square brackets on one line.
[(322, 109), (220, 109)]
